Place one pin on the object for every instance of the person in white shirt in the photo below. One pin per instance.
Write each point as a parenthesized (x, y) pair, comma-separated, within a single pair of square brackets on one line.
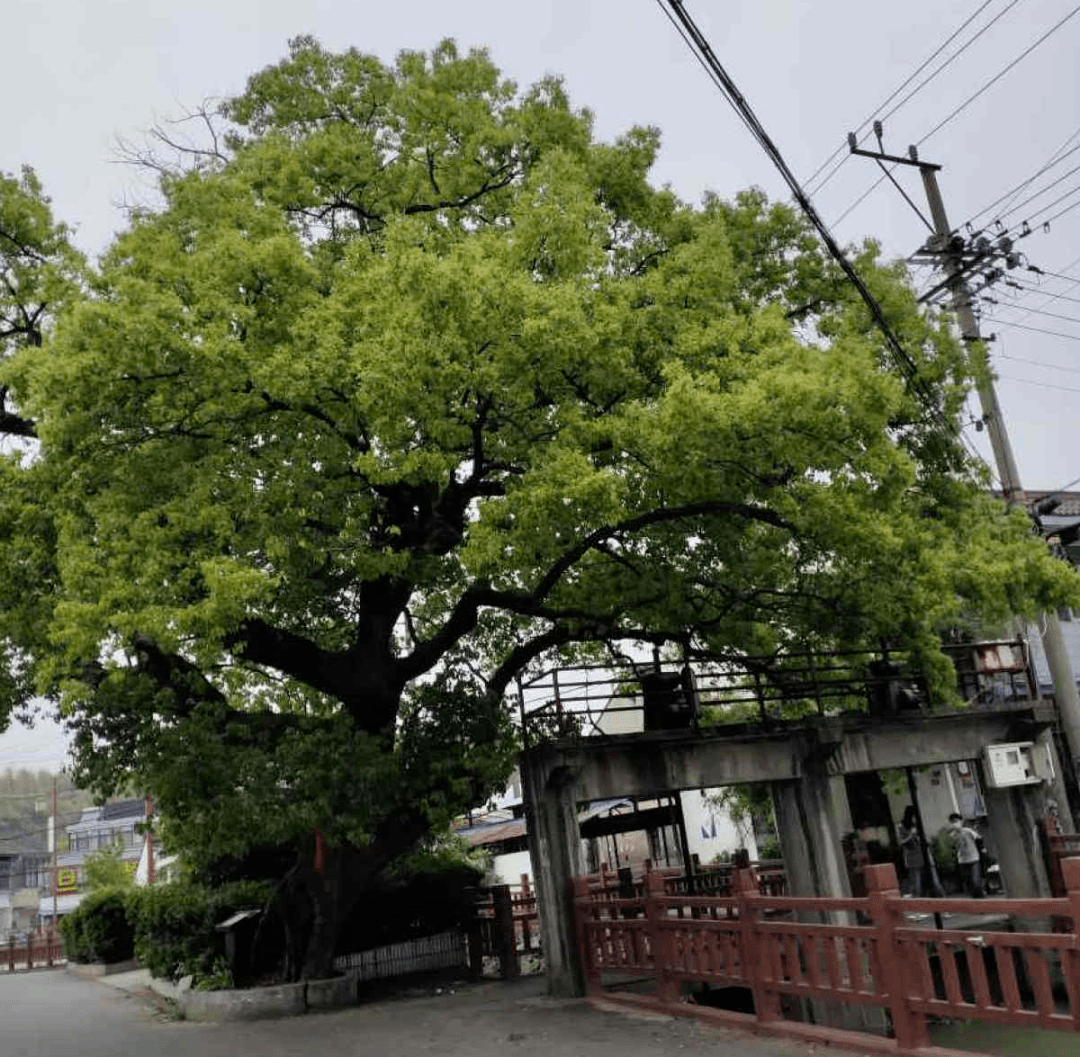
[(966, 843)]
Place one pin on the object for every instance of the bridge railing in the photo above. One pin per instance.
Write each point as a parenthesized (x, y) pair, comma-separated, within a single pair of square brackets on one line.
[(847, 952)]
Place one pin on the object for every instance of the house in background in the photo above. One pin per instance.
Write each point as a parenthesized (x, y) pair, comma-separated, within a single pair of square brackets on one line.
[(23, 872), (106, 826)]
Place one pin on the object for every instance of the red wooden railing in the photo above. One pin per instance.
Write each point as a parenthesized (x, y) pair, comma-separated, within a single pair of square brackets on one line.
[(36, 950), (505, 924), (714, 879), (858, 952)]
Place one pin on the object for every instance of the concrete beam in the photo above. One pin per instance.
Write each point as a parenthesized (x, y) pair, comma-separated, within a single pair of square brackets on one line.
[(659, 762)]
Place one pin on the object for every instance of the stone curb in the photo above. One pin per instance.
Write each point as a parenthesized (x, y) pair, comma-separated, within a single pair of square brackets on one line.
[(257, 1003), (93, 970)]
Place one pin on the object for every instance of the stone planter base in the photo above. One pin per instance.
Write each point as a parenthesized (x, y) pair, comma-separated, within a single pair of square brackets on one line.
[(95, 969), (280, 1000), (332, 993)]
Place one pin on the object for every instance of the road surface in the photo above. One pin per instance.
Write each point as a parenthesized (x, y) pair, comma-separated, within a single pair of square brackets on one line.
[(56, 1014)]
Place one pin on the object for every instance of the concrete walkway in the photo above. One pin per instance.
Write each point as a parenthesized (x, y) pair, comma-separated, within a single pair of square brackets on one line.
[(57, 1014)]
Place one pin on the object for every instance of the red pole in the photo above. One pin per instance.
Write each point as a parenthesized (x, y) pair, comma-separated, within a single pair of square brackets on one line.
[(583, 913), (883, 891), (1070, 870), (744, 886)]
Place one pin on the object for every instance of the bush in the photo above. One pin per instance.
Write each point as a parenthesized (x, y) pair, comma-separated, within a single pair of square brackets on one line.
[(99, 929), (76, 949), (175, 932)]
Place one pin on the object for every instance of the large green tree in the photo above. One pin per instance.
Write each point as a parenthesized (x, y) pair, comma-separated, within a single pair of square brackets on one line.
[(410, 384)]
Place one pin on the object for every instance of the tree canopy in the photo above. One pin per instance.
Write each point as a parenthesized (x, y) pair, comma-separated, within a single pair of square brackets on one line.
[(407, 384)]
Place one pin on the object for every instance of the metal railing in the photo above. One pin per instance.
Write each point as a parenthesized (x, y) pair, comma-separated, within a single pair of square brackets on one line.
[(730, 688), (34, 950)]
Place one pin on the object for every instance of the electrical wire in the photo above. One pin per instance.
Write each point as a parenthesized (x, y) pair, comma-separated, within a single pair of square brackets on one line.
[(1037, 194), (719, 76), (842, 149), (1052, 315), (705, 56), (1034, 288), (1020, 188), (37, 832), (1038, 363), (1041, 385), (1001, 73), (1034, 330), (956, 111)]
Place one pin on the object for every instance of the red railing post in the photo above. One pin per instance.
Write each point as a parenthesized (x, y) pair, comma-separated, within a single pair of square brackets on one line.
[(1070, 872), (883, 892), (744, 885), (667, 983), (29, 949), (11, 952), (583, 909), (49, 948)]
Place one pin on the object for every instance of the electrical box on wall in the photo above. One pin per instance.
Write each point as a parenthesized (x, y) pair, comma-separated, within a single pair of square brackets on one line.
[(1011, 764)]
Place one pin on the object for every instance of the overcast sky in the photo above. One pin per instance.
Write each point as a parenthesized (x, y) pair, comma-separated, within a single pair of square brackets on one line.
[(76, 76)]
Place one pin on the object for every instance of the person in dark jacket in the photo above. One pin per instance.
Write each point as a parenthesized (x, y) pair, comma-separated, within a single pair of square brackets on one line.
[(912, 850)]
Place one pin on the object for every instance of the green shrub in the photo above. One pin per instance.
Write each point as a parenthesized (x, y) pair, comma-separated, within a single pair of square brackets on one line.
[(76, 949), (98, 930), (175, 932)]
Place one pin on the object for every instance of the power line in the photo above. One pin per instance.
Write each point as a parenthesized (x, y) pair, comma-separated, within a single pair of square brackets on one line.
[(1039, 193), (43, 830), (704, 53), (1034, 288), (1038, 363), (964, 105), (1034, 330), (1052, 315), (1019, 188), (1001, 73), (1063, 212), (1041, 385), (842, 149)]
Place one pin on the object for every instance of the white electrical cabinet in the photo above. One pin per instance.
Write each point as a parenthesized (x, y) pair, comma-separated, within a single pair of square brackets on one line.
[(1011, 764)]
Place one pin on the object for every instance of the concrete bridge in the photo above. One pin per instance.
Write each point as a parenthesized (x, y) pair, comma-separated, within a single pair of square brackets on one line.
[(804, 764)]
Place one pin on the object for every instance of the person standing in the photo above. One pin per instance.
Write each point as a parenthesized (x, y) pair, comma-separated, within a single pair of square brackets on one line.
[(912, 850), (966, 843)]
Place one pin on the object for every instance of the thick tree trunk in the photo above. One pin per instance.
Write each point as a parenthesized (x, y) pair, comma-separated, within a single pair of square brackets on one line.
[(330, 884)]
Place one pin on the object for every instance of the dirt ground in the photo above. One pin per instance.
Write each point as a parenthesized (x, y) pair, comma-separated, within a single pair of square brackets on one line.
[(519, 1020), (56, 1014)]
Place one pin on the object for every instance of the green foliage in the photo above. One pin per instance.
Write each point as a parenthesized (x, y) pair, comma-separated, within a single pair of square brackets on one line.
[(99, 929), (749, 807), (105, 868), (440, 854), (76, 947), (943, 848), (413, 385), (174, 925)]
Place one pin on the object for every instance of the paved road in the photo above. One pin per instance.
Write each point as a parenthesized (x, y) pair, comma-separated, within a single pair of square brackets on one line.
[(56, 1014)]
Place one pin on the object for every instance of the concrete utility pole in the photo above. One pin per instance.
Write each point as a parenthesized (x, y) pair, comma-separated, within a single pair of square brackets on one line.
[(1057, 657), (959, 261), (52, 840)]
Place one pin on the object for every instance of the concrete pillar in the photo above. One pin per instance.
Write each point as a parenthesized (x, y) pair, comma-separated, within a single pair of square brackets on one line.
[(1014, 817), (1055, 788), (812, 817), (555, 852)]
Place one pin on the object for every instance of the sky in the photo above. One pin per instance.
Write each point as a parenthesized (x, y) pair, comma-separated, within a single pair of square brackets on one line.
[(77, 78)]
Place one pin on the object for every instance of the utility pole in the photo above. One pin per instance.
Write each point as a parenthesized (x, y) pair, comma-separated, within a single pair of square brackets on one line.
[(55, 824), (960, 261)]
